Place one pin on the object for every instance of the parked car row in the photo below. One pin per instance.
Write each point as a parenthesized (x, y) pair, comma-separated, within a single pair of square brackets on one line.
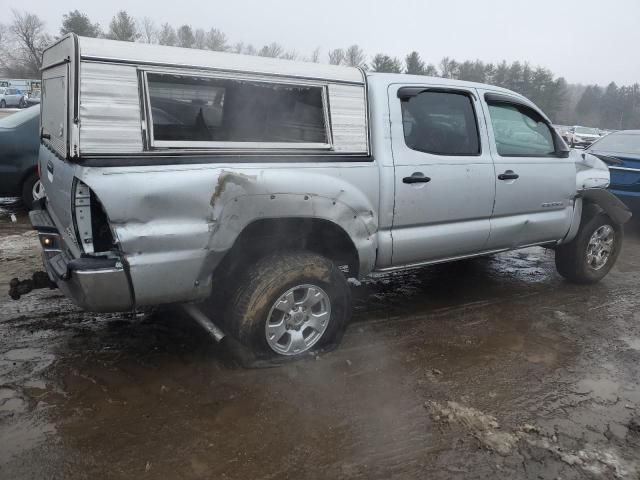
[(580, 137), (13, 97)]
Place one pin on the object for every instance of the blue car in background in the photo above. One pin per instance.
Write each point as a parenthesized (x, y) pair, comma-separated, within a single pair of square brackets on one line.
[(623, 146), (19, 145)]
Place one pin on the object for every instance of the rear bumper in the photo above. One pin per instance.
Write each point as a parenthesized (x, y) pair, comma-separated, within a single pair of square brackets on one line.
[(94, 283)]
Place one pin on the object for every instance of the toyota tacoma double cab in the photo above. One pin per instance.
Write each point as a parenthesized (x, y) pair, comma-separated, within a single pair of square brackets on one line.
[(172, 175)]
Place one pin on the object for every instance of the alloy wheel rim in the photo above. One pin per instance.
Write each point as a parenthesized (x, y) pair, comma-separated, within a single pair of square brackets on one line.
[(600, 247), (37, 191), (298, 319)]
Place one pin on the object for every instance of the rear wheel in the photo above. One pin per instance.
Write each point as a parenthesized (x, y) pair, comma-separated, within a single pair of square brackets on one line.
[(32, 190), (289, 304), (3, 104), (591, 255)]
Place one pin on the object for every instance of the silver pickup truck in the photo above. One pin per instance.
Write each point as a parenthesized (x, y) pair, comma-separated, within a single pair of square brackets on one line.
[(172, 175)]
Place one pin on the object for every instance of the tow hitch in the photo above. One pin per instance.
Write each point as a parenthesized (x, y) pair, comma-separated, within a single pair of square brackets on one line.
[(17, 288)]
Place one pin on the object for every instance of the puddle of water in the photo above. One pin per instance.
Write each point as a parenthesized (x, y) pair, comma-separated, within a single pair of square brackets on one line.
[(603, 388), (22, 437), (632, 342)]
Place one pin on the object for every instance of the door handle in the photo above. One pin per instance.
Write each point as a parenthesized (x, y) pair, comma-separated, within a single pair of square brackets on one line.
[(416, 179), (508, 175)]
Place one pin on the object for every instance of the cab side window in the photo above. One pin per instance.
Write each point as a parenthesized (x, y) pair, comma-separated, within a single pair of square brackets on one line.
[(520, 131), (440, 123)]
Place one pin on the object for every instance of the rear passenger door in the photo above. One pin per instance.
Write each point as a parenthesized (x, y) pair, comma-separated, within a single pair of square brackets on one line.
[(444, 175), (535, 188)]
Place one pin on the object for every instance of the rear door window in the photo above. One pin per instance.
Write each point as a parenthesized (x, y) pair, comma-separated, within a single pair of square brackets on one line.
[(200, 111), (440, 123)]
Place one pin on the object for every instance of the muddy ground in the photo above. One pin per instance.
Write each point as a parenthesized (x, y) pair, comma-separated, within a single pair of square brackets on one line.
[(492, 368)]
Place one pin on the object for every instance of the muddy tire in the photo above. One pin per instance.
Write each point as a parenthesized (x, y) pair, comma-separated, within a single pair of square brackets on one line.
[(289, 304), (589, 257)]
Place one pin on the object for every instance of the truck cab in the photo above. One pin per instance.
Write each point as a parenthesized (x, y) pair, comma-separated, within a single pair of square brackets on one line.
[(178, 176)]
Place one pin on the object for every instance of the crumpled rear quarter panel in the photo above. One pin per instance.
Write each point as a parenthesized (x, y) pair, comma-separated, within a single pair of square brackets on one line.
[(175, 223)]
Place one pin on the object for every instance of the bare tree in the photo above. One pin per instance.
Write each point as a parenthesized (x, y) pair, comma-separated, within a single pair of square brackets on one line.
[(290, 55), (431, 70), (336, 56), (315, 56), (217, 40), (199, 39), (148, 30), (167, 35), (273, 50), (24, 43), (449, 68), (355, 57)]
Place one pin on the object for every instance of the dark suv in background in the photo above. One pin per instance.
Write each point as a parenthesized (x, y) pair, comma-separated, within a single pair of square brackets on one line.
[(19, 145)]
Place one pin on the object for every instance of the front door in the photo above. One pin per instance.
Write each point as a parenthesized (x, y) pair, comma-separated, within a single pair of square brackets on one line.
[(534, 187), (444, 175)]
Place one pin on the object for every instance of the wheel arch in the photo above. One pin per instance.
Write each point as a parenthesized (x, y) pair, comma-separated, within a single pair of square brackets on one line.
[(593, 201), (263, 236), (306, 205), (27, 173), (608, 202)]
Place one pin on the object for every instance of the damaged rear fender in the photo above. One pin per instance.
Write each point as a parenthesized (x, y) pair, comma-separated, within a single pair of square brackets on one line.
[(240, 200)]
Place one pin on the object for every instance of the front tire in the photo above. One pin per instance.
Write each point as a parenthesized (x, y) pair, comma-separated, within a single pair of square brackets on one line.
[(591, 255), (3, 104), (289, 304)]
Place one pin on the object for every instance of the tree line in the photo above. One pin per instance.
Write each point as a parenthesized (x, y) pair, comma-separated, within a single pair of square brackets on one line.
[(23, 40)]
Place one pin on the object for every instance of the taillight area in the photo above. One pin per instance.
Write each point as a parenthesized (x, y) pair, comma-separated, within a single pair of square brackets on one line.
[(91, 221)]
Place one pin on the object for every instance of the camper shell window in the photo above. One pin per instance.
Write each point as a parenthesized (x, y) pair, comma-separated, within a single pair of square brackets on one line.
[(189, 111)]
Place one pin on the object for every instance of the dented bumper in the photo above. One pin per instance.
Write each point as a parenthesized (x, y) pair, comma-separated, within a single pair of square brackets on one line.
[(94, 283)]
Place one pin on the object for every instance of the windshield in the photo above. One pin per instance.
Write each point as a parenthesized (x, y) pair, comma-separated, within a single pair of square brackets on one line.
[(587, 131), (619, 143), (20, 117)]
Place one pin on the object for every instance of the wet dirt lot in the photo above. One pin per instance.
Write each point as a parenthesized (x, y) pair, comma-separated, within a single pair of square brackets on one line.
[(492, 368)]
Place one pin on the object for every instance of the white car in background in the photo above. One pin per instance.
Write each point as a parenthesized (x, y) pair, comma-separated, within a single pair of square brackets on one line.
[(11, 97), (583, 136)]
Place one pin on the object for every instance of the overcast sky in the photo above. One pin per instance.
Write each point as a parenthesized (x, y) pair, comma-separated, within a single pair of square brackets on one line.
[(586, 41)]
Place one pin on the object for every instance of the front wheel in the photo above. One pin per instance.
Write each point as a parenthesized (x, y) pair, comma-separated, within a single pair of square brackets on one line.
[(3, 104), (589, 257), (289, 304)]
